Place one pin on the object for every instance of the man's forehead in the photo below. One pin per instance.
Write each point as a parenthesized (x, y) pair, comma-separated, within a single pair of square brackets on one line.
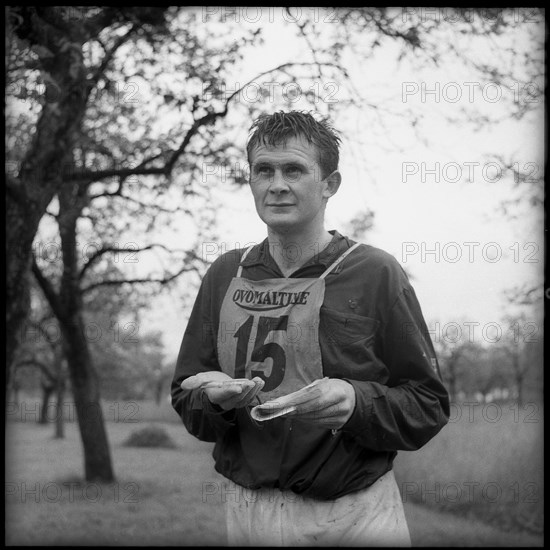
[(295, 147)]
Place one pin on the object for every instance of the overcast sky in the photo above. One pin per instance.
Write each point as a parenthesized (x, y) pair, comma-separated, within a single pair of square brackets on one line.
[(436, 205)]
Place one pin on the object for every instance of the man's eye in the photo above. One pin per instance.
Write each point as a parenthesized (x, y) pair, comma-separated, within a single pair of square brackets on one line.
[(263, 170), (293, 172)]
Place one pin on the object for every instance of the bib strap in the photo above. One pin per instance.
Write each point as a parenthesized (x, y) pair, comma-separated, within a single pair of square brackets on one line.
[(340, 259), (329, 269), (240, 270)]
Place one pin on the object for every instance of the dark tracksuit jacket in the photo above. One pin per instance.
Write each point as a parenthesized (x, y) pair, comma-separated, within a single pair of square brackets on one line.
[(371, 333)]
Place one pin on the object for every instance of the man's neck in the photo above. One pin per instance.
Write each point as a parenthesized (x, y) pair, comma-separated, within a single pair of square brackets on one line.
[(291, 251)]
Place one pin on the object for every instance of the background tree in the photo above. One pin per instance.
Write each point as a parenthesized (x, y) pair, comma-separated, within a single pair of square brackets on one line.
[(522, 343), (41, 348), (471, 364), (46, 45), (450, 355), (519, 351)]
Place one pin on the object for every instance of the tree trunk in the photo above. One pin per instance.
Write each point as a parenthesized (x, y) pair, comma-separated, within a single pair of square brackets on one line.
[(519, 386), (21, 226), (85, 385), (67, 306), (30, 189), (158, 391), (13, 394), (59, 420), (47, 391), (60, 394), (519, 375), (452, 387), (451, 377)]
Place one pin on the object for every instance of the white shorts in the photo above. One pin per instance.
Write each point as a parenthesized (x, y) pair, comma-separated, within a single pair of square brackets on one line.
[(269, 517)]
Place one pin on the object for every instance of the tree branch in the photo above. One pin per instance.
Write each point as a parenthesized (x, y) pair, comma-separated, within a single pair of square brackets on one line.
[(106, 249), (38, 326), (301, 28), (206, 120), (48, 290), (155, 207), (33, 362), (119, 282), (14, 190), (110, 53), (92, 176)]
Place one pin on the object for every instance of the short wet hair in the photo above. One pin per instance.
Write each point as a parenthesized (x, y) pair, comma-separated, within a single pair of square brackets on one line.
[(277, 128)]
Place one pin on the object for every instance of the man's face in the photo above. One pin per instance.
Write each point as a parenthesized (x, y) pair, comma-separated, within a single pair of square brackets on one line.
[(287, 186)]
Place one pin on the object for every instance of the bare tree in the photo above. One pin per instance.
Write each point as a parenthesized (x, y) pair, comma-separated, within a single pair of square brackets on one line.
[(47, 357)]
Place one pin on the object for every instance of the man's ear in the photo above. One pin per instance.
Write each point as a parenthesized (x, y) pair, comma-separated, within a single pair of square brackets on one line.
[(333, 182)]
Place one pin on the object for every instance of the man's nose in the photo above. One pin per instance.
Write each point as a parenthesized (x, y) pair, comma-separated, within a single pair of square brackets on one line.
[(278, 183)]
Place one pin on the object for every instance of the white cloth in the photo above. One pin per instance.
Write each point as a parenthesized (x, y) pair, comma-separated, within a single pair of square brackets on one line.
[(269, 517)]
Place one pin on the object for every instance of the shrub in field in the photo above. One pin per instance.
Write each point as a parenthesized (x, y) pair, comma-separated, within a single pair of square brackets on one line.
[(150, 436)]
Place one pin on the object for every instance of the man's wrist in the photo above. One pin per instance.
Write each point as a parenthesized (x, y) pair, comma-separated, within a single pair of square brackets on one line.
[(353, 405), (212, 408)]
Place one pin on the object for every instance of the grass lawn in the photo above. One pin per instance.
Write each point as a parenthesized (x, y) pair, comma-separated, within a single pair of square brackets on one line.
[(162, 496), (488, 465), (157, 498)]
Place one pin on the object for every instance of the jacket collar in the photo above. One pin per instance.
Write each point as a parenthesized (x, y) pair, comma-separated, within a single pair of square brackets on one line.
[(260, 255)]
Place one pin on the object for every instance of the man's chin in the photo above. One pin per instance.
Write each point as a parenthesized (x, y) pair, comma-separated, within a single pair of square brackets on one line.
[(282, 226), (280, 223)]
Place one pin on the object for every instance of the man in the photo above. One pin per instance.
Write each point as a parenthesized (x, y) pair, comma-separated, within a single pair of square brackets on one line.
[(322, 337)]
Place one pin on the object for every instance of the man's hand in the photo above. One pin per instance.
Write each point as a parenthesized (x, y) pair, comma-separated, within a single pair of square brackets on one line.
[(328, 403), (224, 391)]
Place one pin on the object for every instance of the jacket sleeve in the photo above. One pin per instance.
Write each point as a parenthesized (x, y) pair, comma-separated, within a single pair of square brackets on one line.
[(198, 353), (414, 405)]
